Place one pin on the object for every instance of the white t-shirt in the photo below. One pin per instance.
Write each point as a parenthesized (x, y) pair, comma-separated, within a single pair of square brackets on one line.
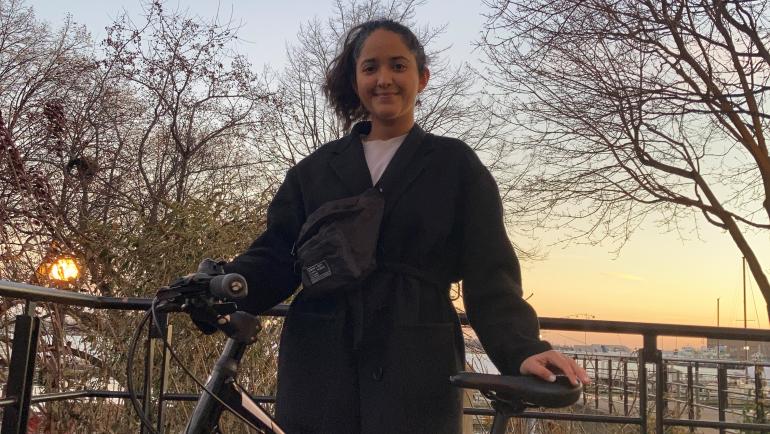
[(379, 153)]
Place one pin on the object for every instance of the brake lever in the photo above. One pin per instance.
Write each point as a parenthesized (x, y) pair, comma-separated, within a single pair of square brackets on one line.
[(224, 308), (206, 314), (176, 294)]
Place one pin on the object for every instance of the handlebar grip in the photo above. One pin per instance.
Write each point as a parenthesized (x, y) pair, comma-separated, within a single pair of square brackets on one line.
[(230, 286)]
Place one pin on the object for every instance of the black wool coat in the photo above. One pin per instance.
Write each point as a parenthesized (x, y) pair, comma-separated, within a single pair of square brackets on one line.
[(377, 360)]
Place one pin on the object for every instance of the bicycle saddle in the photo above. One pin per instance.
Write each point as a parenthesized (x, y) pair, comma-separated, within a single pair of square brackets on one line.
[(530, 390)]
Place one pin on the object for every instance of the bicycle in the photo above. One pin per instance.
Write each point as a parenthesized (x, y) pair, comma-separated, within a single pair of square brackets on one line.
[(208, 297)]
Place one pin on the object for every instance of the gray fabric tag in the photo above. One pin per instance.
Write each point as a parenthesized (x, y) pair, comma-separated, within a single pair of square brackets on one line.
[(318, 272)]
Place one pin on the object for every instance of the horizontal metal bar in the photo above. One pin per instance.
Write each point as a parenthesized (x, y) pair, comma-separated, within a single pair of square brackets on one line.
[(39, 293), (622, 419), (119, 394), (583, 325), (89, 393), (61, 396), (717, 424), (181, 396), (468, 411), (558, 416), (194, 397)]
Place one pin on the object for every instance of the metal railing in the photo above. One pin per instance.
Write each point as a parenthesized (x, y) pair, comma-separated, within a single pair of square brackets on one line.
[(19, 397)]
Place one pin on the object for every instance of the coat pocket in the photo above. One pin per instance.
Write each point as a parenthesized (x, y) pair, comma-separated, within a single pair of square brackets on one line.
[(308, 360), (421, 359)]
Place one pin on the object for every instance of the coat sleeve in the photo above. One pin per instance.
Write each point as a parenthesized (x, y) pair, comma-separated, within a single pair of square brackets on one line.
[(505, 323), (268, 264)]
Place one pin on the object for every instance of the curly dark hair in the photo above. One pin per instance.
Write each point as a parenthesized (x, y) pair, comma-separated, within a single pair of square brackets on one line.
[(341, 74)]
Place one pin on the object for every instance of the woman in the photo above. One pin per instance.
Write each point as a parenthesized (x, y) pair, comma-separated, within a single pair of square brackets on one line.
[(377, 358)]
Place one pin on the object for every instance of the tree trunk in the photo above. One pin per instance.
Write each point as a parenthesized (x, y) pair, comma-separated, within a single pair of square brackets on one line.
[(751, 259)]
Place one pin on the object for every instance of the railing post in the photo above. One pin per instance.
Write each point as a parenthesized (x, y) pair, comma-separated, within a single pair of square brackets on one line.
[(722, 393), (584, 391), (625, 387), (661, 403), (163, 388), (650, 353), (149, 355), (662, 387), (759, 402), (598, 378), (698, 392), (609, 385), (641, 375), (21, 371), (690, 396)]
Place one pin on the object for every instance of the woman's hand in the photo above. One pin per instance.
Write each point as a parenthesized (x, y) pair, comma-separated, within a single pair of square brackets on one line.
[(547, 364)]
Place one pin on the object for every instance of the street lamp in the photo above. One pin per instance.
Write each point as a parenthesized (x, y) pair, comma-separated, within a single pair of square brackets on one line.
[(64, 269), (60, 270)]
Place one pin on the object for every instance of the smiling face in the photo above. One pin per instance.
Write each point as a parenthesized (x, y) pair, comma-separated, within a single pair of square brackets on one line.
[(388, 81)]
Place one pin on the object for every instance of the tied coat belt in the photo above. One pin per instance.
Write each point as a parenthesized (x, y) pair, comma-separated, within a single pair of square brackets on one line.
[(355, 301)]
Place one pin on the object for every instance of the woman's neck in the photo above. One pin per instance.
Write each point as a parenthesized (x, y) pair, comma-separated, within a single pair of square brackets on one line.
[(384, 131)]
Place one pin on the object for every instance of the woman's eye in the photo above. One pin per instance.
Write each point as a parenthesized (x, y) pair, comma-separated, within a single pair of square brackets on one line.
[(399, 66), (368, 69)]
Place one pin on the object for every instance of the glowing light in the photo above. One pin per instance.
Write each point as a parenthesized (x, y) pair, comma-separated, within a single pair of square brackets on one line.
[(64, 269)]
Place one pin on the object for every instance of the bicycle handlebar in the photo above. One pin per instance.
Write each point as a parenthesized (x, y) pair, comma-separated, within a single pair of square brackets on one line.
[(207, 296)]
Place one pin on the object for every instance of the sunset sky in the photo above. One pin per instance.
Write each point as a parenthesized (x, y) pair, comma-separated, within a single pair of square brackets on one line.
[(656, 277)]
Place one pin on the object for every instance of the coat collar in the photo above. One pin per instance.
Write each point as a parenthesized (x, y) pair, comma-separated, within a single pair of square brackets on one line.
[(350, 163)]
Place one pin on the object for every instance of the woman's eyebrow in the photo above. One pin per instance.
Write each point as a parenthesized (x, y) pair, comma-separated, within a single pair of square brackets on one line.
[(374, 59)]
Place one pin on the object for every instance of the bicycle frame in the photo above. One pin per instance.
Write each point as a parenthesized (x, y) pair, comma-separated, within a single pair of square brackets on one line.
[(208, 410)]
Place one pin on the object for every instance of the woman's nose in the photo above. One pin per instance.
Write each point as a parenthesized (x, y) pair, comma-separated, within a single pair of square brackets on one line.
[(384, 79)]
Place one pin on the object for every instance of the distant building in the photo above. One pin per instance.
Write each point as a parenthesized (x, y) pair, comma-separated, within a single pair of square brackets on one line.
[(737, 349), (605, 349)]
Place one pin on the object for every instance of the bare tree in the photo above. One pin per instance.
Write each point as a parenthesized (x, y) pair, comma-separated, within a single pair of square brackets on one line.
[(37, 66), (195, 104), (631, 107), (130, 156)]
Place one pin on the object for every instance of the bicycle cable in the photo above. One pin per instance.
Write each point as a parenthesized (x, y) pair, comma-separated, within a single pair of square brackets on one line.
[(176, 358), (129, 377)]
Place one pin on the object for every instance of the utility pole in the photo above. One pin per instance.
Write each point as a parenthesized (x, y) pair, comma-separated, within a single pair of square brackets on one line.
[(583, 316), (717, 311), (745, 343), (744, 292)]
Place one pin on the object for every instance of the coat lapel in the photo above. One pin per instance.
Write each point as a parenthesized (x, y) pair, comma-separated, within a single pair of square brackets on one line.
[(350, 164), (407, 164)]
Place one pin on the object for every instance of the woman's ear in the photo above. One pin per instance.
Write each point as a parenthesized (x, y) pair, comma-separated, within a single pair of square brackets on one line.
[(424, 77)]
